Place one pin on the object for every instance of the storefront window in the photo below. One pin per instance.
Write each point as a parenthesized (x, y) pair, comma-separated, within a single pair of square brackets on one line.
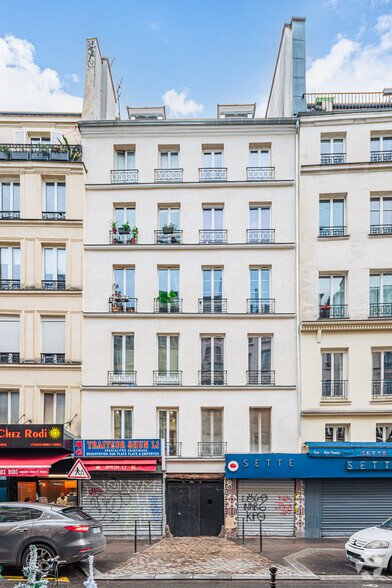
[(48, 491)]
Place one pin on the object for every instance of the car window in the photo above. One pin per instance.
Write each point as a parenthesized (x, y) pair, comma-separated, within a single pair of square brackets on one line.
[(75, 513), (35, 513), (11, 514), (387, 524)]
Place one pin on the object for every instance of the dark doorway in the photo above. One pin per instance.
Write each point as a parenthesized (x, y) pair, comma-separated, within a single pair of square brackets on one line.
[(195, 508)]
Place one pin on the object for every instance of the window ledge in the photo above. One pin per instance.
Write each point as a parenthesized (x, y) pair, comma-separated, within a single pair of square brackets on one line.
[(340, 401), (372, 235), (380, 401), (334, 238)]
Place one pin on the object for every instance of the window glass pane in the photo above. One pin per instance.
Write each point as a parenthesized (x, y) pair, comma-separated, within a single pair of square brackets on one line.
[(48, 408), (264, 158), (4, 407), (254, 283), (387, 211), (61, 264), (338, 366), (387, 144), (163, 217), (15, 263), (217, 429), (374, 289), (162, 432), (388, 434), (338, 290), (117, 424), (130, 283), (129, 351), (120, 160), (206, 354), (265, 292), (117, 353), (218, 219), (374, 211), (387, 288), (163, 275), (338, 145), (205, 425), (253, 353), (253, 218), (50, 200), (162, 355), (48, 264), (254, 159), (61, 197), (328, 433), (340, 434), (174, 354), (379, 434), (338, 213), (217, 283), (325, 146), (173, 426), (254, 430), (174, 160), (164, 160), (175, 280), (207, 285), (375, 144), (127, 415), (218, 353), (119, 216), (324, 216), (218, 159), (376, 360), (130, 160), (14, 407), (130, 217), (265, 218), (16, 197), (265, 430), (207, 218), (207, 159), (326, 366), (388, 365), (119, 280), (60, 408), (6, 197), (175, 217), (265, 362)]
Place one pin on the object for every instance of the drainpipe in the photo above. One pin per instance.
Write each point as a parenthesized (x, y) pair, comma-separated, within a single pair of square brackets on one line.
[(297, 276)]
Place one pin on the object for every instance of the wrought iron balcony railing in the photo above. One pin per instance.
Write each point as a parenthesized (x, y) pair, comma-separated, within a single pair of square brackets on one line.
[(381, 388), (328, 101), (380, 156), (212, 449), (124, 176), (332, 158), (333, 311), (173, 448), (167, 378), (53, 215), (174, 305), (260, 235), (260, 305), (9, 214), (53, 284), (53, 358), (260, 377), (165, 237), (332, 231), (168, 175), (122, 239), (121, 378), (215, 236), (212, 377), (381, 229), (333, 388), (259, 174), (9, 357), (122, 304), (376, 309), (46, 152), (9, 284), (212, 174), (215, 305)]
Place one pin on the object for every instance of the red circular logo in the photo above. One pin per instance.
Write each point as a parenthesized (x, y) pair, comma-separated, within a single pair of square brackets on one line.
[(233, 466)]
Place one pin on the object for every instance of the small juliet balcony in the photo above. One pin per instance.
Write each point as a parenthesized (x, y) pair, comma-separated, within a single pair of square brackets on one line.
[(120, 303), (337, 231), (380, 310), (260, 377), (166, 303), (212, 448), (167, 378), (334, 388), (173, 448), (212, 236), (9, 284), (333, 311), (52, 358), (212, 174), (212, 377), (260, 235), (116, 378), (377, 156), (380, 230), (260, 305), (382, 388), (168, 175), (260, 174), (124, 176), (118, 238), (9, 214), (212, 305), (168, 237), (53, 215), (53, 284), (332, 158), (9, 357)]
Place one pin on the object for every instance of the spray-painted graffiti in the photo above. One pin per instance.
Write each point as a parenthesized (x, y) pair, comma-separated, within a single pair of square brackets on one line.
[(299, 508), (90, 53), (285, 505), (253, 506), (230, 507)]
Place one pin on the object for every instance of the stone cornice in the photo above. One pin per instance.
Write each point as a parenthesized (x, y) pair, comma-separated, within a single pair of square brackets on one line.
[(178, 185), (363, 325), (5, 170), (360, 166), (187, 246), (187, 315), (346, 413), (184, 388)]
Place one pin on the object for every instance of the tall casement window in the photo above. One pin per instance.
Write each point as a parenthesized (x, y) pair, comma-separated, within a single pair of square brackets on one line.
[(380, 294), (125, 214), (124, 289), (9, 407), (125, 171), (125, 160), (122, 423), (260, 300), (169, 160), (168, 225), (54, 201), (382, 373), (332, 297), (168, 299), (9, 268), (260, 225), (381, 216), (212, 169), (381, 148), (9, 339), (332, 150), (212, 291), (167, 429), (259, 361), (260, 157), (168, 372), (211, 433), (10, 200), (54, 408), (331, 217), (338, 433), (213, 231), (384, 433), (169, 165), (333, 374), (260, 430), (53, 340), (212, 361), (54, 268), (123, 360), (260, 165)]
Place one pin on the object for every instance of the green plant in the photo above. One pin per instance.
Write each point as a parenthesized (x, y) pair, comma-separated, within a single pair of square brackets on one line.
[(43, 147), (114, 224), (5, 149), (170, 226), (74, 153), (166, 297), (135, 232), (126, 227)]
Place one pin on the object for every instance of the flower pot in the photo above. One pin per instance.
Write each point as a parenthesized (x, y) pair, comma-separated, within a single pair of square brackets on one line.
[(59, 155), (114, 230), (174, 240), (123, 231), (115, 241), (133, 240), (167, 230), (130, 309), (4, 155), (40, 155), (325, 312), (19, 155), (116, 308)]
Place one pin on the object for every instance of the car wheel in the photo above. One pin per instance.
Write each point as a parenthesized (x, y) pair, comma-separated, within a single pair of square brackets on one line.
[(389, 568), (44, 554)]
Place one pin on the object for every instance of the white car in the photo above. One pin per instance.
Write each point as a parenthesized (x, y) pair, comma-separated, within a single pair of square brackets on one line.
[(372, 547)]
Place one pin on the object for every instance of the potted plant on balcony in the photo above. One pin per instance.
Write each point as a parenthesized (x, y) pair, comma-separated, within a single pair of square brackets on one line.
[(19, 153), (125, 229), (59, 153), (4, 152), (325, 311), (70, 153), (165, 299), (116, 299), (135, 232), (168, 229), (41, 152), (113, 225)]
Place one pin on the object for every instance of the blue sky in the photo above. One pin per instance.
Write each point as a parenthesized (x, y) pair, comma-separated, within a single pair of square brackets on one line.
[(212, 51)]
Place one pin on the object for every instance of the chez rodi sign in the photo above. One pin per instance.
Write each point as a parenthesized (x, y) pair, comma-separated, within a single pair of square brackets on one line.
[(119, 448), (31, 436)]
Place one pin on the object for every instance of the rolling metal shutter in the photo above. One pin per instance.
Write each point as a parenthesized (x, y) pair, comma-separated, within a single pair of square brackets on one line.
[(348, 506), (118, 503), (271, 501)]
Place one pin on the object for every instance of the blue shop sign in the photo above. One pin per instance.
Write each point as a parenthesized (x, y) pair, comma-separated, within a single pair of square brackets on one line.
[(377, 450), (118, 448)]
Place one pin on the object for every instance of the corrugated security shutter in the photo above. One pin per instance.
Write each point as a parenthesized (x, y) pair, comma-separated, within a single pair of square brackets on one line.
[(53, 335), (348, 506), (271, 501), (9, 334), (118, 503)]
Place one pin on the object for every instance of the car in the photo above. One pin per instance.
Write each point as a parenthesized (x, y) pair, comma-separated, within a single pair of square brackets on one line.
[(64, 531), (372, 547)]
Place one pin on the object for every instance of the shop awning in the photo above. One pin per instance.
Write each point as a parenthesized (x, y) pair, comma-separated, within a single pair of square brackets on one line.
[(28, 465), (120, 465)]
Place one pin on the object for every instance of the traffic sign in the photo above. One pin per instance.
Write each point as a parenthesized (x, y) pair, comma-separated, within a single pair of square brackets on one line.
[(79, 472)]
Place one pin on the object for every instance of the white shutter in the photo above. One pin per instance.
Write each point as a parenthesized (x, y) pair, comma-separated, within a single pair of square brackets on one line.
[(20, 137), (53, 335), (9, 334), (56, 138)]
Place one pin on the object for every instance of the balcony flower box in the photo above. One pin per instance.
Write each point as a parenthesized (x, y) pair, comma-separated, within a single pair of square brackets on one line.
[(4, 152), (325, 311), (117, 306), (123, 231), (57, 154), (19, 155), (40, 155), (168, 229)]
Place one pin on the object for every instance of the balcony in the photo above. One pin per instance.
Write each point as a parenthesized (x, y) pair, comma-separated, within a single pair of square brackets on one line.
[(380, 156), (9, 214), (260, 235), (212, 449), (45, 152), (52, 358), (260, 378), (332, 158), (173, 449), (215, 305), (164, 237), (168, 304), (53, 284), (168, 175), (344, 101), (9, 284), (212, 236), (122, 378), (122, 238), (380, 310), (333, 311), (9, 357), (124, 176), (260, 305), (167, 378), (332, 231), (333, 388), (212, 378), (380, 229), (53, 215), (212, 174), (382, 388), (260, 174), (120, 303)]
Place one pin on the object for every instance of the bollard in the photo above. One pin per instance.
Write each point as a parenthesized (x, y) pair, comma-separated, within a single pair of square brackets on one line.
[(261, 538), (273, 571), (135, 550), (149, 531), (243, 531)]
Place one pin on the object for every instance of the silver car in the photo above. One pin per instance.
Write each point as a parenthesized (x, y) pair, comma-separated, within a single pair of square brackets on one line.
[(65, 531)]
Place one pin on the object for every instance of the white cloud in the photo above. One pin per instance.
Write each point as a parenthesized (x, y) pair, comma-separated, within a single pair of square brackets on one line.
[(352, 65), (180, 105), (73, 77), (155, 26), (25, 86)]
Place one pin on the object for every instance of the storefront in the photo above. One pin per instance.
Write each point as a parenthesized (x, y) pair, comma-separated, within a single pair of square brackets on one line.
[(126, 484)]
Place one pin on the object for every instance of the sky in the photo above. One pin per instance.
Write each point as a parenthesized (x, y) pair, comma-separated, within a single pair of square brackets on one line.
[(187, 54)]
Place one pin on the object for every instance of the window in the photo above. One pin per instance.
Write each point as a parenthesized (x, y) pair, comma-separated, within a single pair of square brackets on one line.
[(380, 294), (382, 372), (125, 214), (54, 408), (212, 290), (336, 433), (124, 285), (125, 160), (259, 361), (260, 224), (9, 339), (40, 140), (260, 430), (167, 429), (212, 361), (123, 353), (260, 300), (54, 268), (9, 268), (332, 151), (213, 231), (332, 297), (381, 148), (211, 432), (9, 407), (381, 216), (10, 200), (54, 205), (169, 216), (168, 300), (53, 340), (168, 360), (331, 217), (212, 166), (122, 423), (169, 160), (384, 433), (333, 374), (259, 158)]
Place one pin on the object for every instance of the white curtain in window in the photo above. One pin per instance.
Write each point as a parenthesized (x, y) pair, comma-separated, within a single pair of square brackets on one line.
[(53, 335), (9, 334)]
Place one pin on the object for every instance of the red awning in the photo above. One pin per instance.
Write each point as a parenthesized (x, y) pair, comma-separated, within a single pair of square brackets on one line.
[(30, 465), (120, 465)]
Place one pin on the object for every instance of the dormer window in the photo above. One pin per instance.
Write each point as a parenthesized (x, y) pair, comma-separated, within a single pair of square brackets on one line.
[(236, 111), (147, 114)]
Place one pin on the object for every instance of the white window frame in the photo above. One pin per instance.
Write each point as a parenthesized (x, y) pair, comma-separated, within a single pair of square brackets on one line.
[(167, 418), (211, 411), (127, 155), (125, 208), (382, 352), (335, 428), (381, 285), (212, 347), (259, 337), (11, 262), (381, 200), (384, 427), (55, 261), (54, 394), (213, 153), (212, 210), (35, 140), (123, 348), (9, 402), (56, 205), (169, 215), (168, 351), (260, 152), (170, 155), (213, 293), (259, 281), (259, 429), (381, 140), (331, 201), (122, 409), (331, 141), (11, 184), (122, 287)]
